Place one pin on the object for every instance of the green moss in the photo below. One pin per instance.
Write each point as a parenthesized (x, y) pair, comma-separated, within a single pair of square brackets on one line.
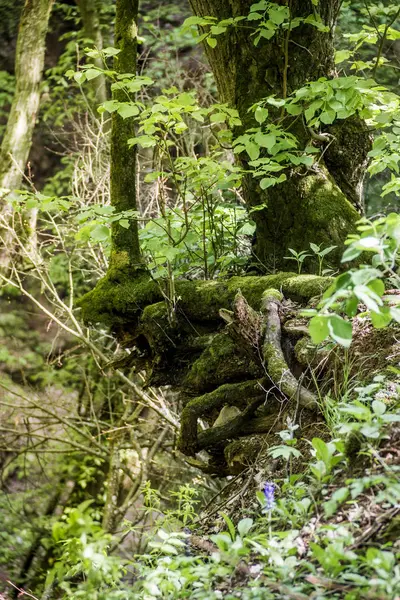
[(305, 351), (119, 297), (277, 366), (219, 364), (158, 330), (272, 294)]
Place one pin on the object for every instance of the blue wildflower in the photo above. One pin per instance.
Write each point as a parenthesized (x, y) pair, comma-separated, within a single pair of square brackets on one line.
[(269, 493)]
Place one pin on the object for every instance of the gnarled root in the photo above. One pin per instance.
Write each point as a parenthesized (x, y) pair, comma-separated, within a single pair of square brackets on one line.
[(275, 363)]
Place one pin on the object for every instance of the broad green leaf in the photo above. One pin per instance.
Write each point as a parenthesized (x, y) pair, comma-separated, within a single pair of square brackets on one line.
[(340, 330), (218, 118), (100, 233), (92, 73), (126, 110), (318, 328), (265, 140), (261, 114), (253, 150), (350, 254), (379, 407), (244, 526), (341, 55)]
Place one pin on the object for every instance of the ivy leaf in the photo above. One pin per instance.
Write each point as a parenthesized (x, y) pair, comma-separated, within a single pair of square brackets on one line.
[(212, 42)]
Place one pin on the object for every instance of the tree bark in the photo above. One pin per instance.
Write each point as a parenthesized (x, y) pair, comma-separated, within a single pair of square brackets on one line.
[(318, 207), (29, 64), (125, 242), (17, 141)]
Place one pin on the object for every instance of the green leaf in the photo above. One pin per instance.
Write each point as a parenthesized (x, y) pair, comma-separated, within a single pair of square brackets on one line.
[(350, 254), (218, 117), (100, 233), (267, 182), (253, 150), (341, 55), (231, 527), (265, 140), (196, 21), (351, 306), (318, 328), (261, 114), (382, 318), (328, 116), (377, 286), (244, 526), (368, 297), (126, 110), (92, 73), (80, 77), (340, 330), (212, 42), (109, 106), (146, 141), (379, 407), (217, 30)]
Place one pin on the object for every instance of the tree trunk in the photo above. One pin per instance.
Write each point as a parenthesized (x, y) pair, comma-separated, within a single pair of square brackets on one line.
[(318, 207), (29, 64), (89, 11), (17, 141), (125, 242)]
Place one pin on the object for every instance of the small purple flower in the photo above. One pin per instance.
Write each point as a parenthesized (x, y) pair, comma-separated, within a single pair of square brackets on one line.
[(269, 493)]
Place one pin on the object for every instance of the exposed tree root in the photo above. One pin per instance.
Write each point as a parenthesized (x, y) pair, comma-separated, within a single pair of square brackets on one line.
[(221, 343), (259, 337), (275, 362)]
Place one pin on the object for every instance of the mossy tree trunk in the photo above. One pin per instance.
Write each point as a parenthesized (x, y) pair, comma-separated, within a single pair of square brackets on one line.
[(322, 206), (125, 242), (29, 62)]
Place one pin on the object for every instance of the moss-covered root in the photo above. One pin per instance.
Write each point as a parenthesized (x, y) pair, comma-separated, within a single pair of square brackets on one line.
[(274, 359), (234, 394)]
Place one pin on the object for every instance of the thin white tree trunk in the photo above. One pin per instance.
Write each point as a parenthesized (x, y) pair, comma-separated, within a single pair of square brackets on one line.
[(29, 63)]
